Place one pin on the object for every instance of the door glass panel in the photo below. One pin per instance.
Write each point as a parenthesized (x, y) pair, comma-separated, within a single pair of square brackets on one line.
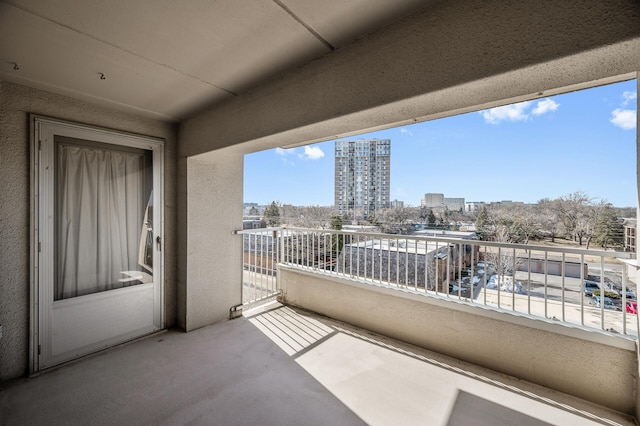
[(104, 228)]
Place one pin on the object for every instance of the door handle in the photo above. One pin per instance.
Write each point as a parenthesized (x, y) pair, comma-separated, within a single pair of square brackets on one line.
[(159, 243)]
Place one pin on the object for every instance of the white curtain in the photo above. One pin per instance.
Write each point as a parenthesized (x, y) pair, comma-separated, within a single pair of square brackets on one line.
[(100, 211)]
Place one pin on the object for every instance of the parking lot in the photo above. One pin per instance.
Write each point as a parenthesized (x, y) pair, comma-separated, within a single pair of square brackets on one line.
[(565, 297)]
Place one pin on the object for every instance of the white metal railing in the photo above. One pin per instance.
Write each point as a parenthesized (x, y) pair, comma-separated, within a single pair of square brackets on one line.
[(259, 260), (538, 281)]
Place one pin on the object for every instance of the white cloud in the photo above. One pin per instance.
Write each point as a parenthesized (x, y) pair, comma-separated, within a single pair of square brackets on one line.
[(545, 106), (406, 131), (624, 118), (628, 96), (312, 153), (283, 152), (513, 112)]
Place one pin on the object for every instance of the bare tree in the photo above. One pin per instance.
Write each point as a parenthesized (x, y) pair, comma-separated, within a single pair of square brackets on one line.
[(571, 211), (591, 219), (504, 262), (526, 225), (290, 215), (548, 217), (422, 213), (316, 216), (394, 219)]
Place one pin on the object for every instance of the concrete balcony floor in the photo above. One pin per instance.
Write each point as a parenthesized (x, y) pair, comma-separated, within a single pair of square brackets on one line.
[(283, 366)]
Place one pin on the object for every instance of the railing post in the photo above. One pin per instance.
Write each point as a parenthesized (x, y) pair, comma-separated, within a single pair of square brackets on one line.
[(602, 292), (582, 289)]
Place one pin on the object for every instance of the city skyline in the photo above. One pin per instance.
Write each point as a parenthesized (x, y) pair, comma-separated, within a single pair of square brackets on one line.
[(545, 148)]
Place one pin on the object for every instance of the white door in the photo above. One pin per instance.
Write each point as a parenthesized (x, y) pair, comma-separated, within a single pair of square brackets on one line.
[(97, 248)]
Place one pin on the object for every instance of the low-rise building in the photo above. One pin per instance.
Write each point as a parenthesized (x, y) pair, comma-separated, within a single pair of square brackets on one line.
[(388, 260), (439, 203), (630, 234), (472, 206)]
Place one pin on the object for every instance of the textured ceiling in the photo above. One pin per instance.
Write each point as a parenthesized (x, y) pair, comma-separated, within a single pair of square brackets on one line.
[(169, 59)]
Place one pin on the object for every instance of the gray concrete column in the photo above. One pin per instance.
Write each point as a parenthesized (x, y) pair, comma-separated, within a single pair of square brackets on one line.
[(210, 255)]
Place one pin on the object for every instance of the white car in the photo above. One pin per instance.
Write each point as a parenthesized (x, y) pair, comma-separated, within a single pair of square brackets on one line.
[(608, 303)]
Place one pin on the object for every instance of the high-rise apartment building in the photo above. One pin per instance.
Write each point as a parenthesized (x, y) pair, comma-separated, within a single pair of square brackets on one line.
[(362, 177)]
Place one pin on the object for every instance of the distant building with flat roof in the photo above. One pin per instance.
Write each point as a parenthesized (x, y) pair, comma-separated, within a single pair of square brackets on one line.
[(472, 206), (396, 204), (439, 203)]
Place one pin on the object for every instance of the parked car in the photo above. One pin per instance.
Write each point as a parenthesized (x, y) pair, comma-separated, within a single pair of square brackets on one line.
[(632, 307), (589, 286), (630, 294), (608, 303), (608, 288)]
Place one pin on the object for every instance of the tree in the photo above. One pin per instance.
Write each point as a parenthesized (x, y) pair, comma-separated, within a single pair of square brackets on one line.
[(588, 223), (371, 220), (609, 231), (271, 214), (336, 222), (483, 230), (337, 240), (315, 216), (431, 219), (444, 217), (423, 213), (394, 219), (571, 211), (547, 214), (289, 214), (504, 262), (526, 225)]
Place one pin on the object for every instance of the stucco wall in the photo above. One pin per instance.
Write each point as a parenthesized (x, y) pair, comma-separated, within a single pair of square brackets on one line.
[(16, 103), (210, 267), (598, 368)]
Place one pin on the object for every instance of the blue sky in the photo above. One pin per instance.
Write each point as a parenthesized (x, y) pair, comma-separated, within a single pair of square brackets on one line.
[(546, 148)]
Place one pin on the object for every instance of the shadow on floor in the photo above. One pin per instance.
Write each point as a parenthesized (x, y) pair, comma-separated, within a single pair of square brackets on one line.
[(389, 382), (225, 374), (283, 366)]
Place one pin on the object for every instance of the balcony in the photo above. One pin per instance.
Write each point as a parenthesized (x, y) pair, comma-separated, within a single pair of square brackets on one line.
[(378, 73), (519, 310), (281, 365), (376, 329), (355, 341)]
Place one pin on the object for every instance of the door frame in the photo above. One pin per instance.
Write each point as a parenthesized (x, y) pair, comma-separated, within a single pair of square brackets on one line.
[(43, 130)]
